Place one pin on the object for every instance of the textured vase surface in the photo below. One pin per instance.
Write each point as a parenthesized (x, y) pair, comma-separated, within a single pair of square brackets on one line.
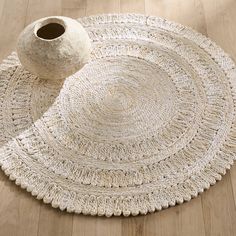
[(54, 47)]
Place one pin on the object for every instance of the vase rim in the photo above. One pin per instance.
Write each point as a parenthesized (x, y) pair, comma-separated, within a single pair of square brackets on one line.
[(46, 21)]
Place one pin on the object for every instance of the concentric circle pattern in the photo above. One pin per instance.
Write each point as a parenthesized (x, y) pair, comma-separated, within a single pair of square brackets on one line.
[(148, 123)]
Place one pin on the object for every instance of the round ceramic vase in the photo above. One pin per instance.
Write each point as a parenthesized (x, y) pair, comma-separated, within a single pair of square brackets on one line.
[(54, 47)]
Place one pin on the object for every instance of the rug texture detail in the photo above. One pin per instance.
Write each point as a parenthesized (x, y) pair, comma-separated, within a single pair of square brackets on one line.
[(148, 123)]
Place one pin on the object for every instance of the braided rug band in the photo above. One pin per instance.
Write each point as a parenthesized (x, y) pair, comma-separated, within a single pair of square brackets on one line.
[(148, 123)]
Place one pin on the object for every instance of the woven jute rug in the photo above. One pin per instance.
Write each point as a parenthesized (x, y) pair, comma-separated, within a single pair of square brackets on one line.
[(148, 123)]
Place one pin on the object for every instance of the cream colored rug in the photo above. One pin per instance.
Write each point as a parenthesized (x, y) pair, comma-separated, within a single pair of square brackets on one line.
[(148, 123)]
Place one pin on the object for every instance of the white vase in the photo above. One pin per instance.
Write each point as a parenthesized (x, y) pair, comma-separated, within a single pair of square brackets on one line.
[(54, 47)]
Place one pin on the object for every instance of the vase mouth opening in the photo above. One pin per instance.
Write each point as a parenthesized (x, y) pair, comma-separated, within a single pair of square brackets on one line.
[(50, 29)]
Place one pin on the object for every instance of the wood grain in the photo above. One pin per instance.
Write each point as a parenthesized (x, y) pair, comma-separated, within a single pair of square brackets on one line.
[(12, 22), (219, 209), (212, 213), (189, 12), (134, 6), (74, 8), (102, 6), (186, 219), (42, 8), (1, 7), (19, 212), (74, 4), (74, 12), (233, 182), (54, 222), (221, 13)]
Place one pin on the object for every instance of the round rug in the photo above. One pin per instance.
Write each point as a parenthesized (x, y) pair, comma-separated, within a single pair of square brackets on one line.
[(148, 123)]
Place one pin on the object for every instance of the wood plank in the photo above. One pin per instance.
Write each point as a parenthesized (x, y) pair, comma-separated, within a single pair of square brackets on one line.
[(221, 13), (109, 227), (185, 219), (9, 204), (191, 218), (54, 222), (220, 23), (84, 225), (133, 226), (218, 209), (102, 6), (74, 8), (74, 12), (28, 214), (233, 182), (11, 24), (90, 226), (189, 13), (19, 211), (1, 7), (42, 8), (132, 6), (74, 4)]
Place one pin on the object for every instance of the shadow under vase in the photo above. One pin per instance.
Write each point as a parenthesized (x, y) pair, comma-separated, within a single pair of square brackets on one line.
[(24, 98)]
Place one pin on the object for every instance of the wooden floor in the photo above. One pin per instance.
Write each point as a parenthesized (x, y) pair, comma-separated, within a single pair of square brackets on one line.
[(212, 213)]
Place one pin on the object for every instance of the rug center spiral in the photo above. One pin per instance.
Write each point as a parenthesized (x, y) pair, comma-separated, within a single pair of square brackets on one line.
[(118, 99)]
